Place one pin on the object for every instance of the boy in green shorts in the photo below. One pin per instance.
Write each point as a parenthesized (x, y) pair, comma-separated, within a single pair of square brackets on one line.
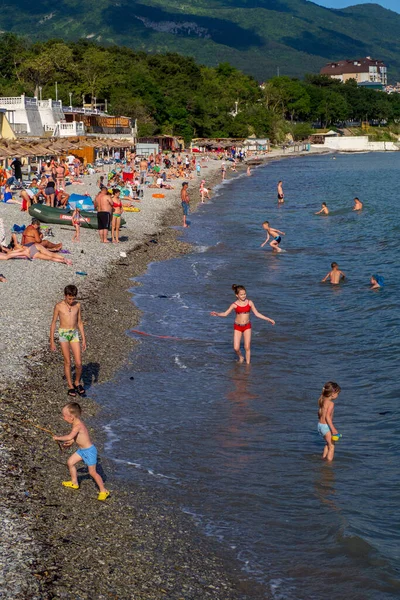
[(68, 312)]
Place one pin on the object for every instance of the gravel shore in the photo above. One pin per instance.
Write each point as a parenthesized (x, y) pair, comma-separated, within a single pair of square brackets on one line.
[(56, 543)]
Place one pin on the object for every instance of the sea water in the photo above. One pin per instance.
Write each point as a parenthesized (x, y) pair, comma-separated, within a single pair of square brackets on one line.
[(236, 445)]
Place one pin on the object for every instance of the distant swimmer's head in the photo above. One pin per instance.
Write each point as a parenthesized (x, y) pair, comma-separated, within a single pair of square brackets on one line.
[(334, 265), (240, 291), (324, 204), (377, 279)]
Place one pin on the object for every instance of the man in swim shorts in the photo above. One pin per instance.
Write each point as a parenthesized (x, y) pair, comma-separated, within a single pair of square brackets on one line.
[(103, 205), (281, 195), (68, 312), (185, 202)]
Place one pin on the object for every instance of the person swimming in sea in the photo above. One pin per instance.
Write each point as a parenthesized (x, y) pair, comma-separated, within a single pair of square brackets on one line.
[(274, 233), (335, 276), (357, 204), (324, 210), (242, 325), (377, 282)]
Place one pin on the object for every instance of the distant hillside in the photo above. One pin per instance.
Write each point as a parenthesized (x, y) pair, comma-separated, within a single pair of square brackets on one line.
[(257, 36)]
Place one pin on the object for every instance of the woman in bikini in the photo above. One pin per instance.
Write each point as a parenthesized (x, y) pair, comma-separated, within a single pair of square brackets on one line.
[(242, 325), (33, 251), (60, 175), (76, 223), (116, 218)]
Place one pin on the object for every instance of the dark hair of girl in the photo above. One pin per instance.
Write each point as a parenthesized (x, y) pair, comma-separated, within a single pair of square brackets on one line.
[(329, 388), (237, 288)]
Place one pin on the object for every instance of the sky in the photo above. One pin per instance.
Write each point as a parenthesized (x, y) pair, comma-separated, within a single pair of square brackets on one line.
[(392, 4)]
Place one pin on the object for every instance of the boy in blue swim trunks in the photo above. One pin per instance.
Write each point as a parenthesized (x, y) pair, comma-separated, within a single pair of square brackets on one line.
[(275, 234), (68, 311), (87, 451)]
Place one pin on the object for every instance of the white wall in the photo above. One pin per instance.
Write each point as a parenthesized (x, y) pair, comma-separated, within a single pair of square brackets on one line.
[(50, 113), (357, 144)]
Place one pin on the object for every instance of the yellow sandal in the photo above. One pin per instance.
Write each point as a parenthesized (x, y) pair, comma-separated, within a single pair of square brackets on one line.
[(103, 495), (70, 484)]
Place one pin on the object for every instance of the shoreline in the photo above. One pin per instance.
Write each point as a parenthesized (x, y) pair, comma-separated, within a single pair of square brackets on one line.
[(63, 544), (41, 513)]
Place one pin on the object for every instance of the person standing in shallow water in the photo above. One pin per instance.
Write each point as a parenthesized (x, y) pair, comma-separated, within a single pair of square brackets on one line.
[(185, 200), (281, 195), (326, 407), (242, 325)]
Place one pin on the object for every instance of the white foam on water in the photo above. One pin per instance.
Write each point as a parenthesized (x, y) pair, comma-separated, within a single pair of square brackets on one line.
[(112, 437), (179, 363), (145, 469)]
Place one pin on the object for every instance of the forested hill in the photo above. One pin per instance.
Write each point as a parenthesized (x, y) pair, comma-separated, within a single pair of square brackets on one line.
[(257, 36)]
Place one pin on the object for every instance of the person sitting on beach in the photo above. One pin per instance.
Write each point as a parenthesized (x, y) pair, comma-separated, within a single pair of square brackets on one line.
[(275, 233), (87, 451), (326, 407), (377, 282), (29, 196), (68, 313), (62, 198), (33, 235), (324, 210), (8, 196), (357, 204), (335, 275), (33, 251)]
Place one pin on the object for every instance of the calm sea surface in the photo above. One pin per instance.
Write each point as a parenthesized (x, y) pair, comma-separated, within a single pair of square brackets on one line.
[(237, 446)]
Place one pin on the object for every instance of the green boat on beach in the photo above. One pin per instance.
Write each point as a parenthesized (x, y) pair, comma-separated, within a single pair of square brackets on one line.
[(57, 216)]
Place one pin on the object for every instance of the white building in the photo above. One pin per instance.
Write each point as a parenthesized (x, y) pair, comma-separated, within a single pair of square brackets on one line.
[(363, 70), (33, 117)]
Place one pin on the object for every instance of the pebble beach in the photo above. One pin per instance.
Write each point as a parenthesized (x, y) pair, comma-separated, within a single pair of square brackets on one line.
[(54, 545), (57, 546)]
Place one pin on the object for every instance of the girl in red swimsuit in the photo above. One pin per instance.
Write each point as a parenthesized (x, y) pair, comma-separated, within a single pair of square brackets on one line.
[(242, 325), (116, 218)]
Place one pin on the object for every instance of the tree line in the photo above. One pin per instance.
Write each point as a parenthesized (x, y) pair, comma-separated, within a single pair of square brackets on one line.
[(172, 94)]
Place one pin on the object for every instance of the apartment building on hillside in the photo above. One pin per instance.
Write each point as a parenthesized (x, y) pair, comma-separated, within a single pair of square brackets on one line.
[(366, 71)]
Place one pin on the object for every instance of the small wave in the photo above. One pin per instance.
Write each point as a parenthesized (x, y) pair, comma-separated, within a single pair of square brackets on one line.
[(201, 249), (112, 437), (145, 469), (180, 364)]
